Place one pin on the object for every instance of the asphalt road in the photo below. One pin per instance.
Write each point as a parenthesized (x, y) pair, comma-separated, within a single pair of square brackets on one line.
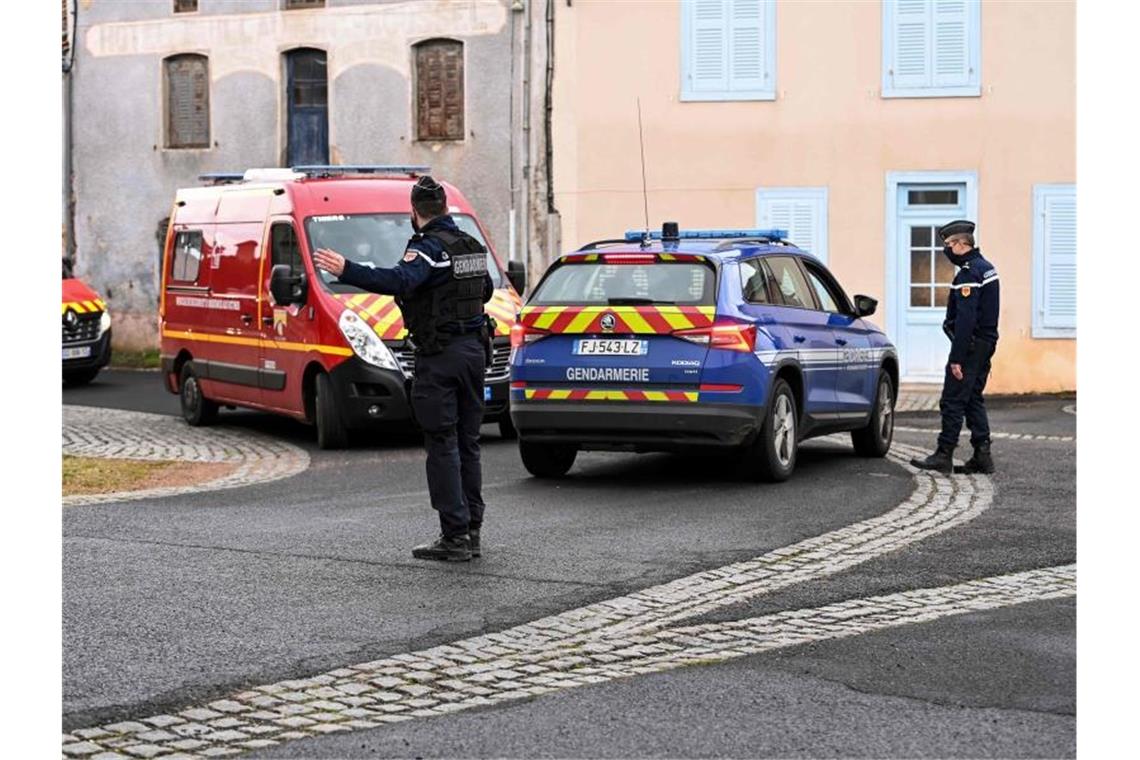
[(172, 601)]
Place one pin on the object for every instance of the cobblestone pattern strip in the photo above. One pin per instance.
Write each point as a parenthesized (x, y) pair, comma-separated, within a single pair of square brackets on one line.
[(621, 637), (449, 679), (910, 401), (996, 435), (93, 432)]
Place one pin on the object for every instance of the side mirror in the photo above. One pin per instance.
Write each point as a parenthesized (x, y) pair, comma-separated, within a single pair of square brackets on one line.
[(286, 287), (865, 306), (516, 273)]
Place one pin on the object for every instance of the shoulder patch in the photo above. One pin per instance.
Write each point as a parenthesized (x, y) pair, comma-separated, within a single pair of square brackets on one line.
[(410, 255), (964, 292)]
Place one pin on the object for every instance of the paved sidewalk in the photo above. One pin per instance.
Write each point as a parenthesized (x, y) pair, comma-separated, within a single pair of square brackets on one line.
[(113, 433), (918, 398)]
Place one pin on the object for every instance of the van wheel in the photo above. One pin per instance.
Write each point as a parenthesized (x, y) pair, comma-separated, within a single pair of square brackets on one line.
[(772, 456), (507, 428), (79, 377), (331, 432), (547, 460), (874, 440), (197, 410)]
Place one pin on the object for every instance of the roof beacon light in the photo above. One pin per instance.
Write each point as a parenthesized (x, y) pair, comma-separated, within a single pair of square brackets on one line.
[(634, 236), (332, 171)]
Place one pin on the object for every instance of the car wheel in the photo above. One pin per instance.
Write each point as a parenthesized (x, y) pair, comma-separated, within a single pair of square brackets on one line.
[(79, 377), (772, 456), (874, 440), (507, 428), (197, 410), (331, 431), (547, 460)]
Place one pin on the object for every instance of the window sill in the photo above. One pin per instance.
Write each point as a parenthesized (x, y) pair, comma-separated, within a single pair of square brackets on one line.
[(973, 91), (704, 97), (1053, 333)]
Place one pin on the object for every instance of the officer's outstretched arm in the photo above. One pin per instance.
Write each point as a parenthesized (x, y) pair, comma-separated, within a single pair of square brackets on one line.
[(403, 278), (968, 297)]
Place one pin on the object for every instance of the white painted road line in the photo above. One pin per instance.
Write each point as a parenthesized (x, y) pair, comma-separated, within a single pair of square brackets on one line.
[(1007, 436), (622, 637)]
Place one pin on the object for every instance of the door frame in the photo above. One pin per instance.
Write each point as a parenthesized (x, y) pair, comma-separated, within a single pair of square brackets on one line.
[(896, 308), (284, 53)]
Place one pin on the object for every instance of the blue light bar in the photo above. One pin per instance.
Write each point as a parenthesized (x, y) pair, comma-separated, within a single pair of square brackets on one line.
[(362, 169), (633, 236)]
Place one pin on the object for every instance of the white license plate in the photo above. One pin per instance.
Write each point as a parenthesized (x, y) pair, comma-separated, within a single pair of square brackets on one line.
[(611, 347), (78, 352)]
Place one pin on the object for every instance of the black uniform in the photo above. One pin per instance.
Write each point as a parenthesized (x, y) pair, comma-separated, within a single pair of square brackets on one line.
[(440, 286), (971, 324)]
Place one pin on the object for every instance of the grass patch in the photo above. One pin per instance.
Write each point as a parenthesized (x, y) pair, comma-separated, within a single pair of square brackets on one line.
[(88, 475), (145, 359)]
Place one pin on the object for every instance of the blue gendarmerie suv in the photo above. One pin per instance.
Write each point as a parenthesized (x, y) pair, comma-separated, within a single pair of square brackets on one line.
[(733, 340)]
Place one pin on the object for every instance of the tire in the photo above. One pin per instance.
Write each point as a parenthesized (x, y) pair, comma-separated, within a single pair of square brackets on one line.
[(331, 431), (547, 460), (507, 428), (874, 440), (197, 410), (79, 377), (772, 456)]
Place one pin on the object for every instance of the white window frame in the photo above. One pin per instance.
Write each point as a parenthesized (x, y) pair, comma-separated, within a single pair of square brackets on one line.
[(1039, 329), (818, 195), (973, 40), (768, 8)]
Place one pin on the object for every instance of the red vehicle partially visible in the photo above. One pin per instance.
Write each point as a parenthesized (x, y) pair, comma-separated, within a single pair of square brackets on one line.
[(86, 331)]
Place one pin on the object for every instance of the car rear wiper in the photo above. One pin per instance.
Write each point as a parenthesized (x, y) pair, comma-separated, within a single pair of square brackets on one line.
[(635, 302)]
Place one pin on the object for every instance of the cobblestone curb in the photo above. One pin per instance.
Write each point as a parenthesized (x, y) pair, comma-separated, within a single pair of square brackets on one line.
[(912, 401), (95, 432), (622, 637)]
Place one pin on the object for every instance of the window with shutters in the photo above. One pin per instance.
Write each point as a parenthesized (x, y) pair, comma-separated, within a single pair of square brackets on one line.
[(187, 89), (185, 6), (295, 4), (802, 211), (1055, 261), (931, 48), (728, 50), (439, 90)]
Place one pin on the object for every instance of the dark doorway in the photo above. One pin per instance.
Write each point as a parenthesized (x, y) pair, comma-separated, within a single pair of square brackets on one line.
[(306, 75)]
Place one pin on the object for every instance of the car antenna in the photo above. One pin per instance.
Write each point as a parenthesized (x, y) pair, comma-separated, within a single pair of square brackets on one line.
[(644, 191)]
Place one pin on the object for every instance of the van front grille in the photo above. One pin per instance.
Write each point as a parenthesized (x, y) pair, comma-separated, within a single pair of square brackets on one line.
[(86, 329)]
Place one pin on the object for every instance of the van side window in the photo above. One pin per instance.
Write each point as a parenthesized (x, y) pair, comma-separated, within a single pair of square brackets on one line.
[(285, 250), (754, 281), (831, 298), (790, 283), (187, 252)]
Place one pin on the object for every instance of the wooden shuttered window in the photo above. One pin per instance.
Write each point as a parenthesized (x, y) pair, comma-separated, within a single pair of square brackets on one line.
[(1055, 261), (931, 48), (728, 50), (187, 101), (185, 6), (802, 211), (294, 4), (439, 90)]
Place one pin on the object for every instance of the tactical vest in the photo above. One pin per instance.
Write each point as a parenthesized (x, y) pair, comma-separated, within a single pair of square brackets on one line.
[(456, 301)]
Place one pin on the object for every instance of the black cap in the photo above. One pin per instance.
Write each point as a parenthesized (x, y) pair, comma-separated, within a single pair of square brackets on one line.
[(956, 227), (427, 190)]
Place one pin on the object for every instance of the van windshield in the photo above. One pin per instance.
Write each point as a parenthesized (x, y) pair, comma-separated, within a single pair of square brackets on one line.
[(376, 240)]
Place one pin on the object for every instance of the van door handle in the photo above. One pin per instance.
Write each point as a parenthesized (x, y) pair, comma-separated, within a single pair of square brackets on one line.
[(841, 341), (267, 321), (246, 319), (798, 338)]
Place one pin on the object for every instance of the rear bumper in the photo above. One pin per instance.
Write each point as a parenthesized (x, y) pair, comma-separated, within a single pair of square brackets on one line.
[(99, 358), (636, 426)]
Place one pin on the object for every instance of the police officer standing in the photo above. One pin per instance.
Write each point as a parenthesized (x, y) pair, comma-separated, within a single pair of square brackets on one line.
[(440, 284), (971, 324)]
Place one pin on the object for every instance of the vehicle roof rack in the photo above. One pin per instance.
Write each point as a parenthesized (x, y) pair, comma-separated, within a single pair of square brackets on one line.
[(636, 236), (329, 170), (221, 178), (596, 243), (726, 245)]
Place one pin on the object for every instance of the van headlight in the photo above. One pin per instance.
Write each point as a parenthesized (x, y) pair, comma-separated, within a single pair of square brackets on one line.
[(365, 342), (104, 322)]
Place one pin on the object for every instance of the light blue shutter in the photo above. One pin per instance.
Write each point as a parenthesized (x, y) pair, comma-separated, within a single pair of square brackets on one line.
[(951, 43), (746, 49), (709, 62), (912, 33), (1058, 211), (800, 211)]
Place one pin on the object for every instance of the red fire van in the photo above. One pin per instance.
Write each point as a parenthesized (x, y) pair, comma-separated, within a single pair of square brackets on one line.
[(86, 331), (246, 319)]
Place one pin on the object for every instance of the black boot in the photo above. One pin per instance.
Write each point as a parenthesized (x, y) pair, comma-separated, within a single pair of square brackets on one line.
[(453, 549), (941, 460), (473, 533), (981, 462)]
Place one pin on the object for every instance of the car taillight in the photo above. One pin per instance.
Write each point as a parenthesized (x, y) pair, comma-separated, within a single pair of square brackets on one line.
[(730, 336), (521, 334)]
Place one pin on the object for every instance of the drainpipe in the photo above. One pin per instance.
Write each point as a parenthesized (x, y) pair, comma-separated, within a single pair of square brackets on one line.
[(68, 179), (512, 220), (526, 167)]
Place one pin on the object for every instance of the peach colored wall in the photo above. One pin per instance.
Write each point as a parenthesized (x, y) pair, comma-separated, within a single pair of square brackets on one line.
[(827, 127)]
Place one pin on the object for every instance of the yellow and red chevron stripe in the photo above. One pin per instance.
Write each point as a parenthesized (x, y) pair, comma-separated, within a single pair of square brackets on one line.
[(582, 394), (641, 320), (84, 307), (382, 313)]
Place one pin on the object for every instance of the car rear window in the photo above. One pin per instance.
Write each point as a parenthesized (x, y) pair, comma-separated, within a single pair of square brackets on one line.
[(601, 284)]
